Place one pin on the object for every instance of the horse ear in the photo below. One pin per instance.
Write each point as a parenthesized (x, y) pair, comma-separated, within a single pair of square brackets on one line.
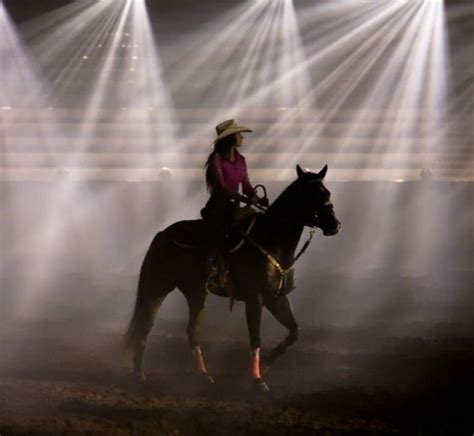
[(300, 171), (323, 172)]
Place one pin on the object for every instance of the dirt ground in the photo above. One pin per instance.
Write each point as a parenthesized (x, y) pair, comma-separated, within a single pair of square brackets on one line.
[(58, 379)]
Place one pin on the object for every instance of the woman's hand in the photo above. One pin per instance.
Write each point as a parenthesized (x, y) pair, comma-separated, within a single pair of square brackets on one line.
[(257, 201), (254, 199)]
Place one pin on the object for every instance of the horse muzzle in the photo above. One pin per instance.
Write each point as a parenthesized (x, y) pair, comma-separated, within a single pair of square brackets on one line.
[(332, 231), (327, 221)]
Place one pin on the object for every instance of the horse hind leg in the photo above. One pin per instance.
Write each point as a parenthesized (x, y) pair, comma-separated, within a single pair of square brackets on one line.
[(146, 307), (143, 330)]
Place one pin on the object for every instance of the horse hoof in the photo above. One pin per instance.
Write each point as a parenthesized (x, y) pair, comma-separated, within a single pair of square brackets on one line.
[(261, 386), (207, 378), (138, 376)]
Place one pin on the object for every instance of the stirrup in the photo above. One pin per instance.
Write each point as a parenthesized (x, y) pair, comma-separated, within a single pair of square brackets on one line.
[(217, 280)]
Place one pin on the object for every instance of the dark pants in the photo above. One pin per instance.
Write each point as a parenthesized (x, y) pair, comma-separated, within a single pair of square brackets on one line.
[(218, 214)]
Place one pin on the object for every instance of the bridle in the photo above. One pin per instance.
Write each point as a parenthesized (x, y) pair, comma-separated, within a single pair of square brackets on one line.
[(328, 206)]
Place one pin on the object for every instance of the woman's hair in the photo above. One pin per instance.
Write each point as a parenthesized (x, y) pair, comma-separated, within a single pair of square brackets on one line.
[(219, 147)]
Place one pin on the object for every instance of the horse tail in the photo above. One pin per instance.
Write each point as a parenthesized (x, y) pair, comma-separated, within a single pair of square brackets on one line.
[(158, 277)]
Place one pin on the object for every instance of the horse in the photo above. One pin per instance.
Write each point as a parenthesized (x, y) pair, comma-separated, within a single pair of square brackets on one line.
[(260, 271)]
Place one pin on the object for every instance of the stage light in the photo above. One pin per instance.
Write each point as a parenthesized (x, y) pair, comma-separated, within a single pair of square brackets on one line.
[(426, 175), (165, 174)]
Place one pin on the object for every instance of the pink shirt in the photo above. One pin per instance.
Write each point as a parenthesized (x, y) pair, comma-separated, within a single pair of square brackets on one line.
[(229, 175)]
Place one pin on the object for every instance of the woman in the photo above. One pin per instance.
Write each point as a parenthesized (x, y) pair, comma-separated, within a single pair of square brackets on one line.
[(226, 172)]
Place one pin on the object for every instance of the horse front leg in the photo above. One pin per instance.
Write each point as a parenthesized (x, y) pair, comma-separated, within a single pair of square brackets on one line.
[(282, 311), (196, 303), (253, 312)]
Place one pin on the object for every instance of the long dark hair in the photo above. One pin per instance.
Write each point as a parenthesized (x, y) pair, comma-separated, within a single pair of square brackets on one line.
[(219, 147)]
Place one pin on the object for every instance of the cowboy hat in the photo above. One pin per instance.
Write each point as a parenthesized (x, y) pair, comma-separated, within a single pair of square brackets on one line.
[(229, 127)]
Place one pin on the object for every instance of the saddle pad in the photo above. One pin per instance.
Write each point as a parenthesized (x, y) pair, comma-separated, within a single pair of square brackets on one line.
[(190, 234)]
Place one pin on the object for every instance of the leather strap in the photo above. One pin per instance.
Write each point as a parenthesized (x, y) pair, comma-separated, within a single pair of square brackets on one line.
[(274, 262)]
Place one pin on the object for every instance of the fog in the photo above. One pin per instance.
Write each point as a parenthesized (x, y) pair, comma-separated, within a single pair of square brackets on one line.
[(105, 131)]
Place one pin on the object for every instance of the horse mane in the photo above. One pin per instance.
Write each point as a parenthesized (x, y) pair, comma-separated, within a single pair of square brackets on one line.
[(285, 202)]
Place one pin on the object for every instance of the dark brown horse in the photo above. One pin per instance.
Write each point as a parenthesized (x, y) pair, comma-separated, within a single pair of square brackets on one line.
[(260, 271)]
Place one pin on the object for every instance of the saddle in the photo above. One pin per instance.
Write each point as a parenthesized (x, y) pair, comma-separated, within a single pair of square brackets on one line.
[(196, 234)]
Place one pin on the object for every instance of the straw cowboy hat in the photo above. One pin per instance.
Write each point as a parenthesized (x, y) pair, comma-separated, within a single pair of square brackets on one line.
[(227, 128)]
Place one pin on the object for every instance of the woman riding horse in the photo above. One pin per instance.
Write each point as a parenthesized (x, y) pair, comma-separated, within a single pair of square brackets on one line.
[(261, 270)]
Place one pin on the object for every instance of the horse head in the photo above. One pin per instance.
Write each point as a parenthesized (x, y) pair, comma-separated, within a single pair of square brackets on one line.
[(315, 201)]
